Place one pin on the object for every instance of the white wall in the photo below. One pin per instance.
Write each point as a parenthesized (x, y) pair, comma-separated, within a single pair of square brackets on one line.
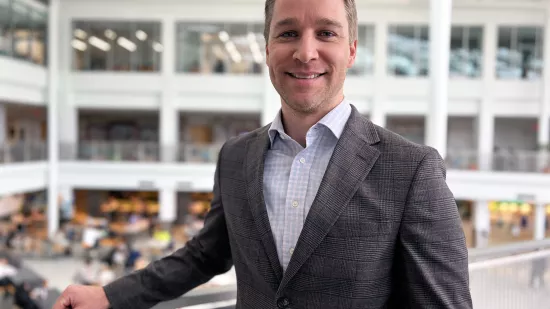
[(21, 178), (136, 176), (200, 177), (22, 82)]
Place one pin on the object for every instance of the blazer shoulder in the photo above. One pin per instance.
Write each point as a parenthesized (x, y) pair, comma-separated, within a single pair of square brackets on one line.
[(236, 146), (402, 148)]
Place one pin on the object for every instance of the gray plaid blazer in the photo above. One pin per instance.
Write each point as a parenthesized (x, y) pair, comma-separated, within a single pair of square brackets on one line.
[(383, 232)]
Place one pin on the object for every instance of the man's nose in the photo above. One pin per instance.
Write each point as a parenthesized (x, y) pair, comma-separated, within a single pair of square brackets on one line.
[(306, 49)]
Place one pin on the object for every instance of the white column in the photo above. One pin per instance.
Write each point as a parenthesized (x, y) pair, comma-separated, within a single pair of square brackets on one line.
[(482, 224), (169, 116), (544, 110), (68, 126), (440, 36), (272, 100), (168, 205), (378, 112), (486, 135), (53, 98), (486, 118), (3, 124), (540, 221)]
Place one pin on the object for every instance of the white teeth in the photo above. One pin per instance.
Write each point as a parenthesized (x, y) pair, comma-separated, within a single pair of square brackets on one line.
[(305, 76)]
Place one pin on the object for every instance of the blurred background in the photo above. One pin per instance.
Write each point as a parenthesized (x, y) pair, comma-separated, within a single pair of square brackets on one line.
[(112, 113)]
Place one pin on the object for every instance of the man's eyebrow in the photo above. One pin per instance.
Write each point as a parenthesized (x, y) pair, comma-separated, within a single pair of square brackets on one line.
[(291, 21), (329, 22), (286, 22)]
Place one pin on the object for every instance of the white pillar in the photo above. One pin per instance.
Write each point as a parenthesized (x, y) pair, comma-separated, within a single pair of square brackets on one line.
[(169, 116), (53, 98), (168, 205), (3, 124), (544, 110), (378, 112), (440, 36), (482, 224), (486, 135), (272, 100), (486, 115), (540, 221), (68, 126)]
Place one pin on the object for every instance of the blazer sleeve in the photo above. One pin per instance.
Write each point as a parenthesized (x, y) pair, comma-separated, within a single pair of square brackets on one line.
[(431, 261), (203, 257)]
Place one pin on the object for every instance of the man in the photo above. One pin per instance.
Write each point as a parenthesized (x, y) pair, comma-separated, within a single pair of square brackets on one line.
[(320, 209)]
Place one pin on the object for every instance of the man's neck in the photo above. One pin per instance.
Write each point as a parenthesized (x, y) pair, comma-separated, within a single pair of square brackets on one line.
[(297, 124)]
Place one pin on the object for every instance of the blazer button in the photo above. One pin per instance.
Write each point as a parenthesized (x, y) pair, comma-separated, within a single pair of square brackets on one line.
[(283, 303)]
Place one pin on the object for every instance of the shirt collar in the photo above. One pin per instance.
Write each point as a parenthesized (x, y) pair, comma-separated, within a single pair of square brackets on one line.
[(335, 121)]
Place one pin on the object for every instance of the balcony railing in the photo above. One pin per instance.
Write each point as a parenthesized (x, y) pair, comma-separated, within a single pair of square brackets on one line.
[(522, 161), (23, 152), (139, 152), (207, 153)]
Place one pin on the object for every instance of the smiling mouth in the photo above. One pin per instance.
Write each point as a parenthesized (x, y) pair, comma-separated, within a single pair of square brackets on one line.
[(300, 76)]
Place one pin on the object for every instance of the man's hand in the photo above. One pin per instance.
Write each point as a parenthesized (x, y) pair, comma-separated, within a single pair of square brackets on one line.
[(82, 297)]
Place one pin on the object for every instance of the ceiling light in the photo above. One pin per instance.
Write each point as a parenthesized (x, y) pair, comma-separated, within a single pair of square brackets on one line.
[(79, 33), (99, 43), (236, 57), (224, 36), (127, 44), (141, 35), (230, 46), (251, 37), (78, 44), (158, 47), (110, 34)]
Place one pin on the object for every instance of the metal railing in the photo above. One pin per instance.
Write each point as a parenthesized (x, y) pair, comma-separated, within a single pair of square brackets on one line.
[(107, 151), (23, 152), (523, 161), (207, 153), (517, 281), (111, 151)]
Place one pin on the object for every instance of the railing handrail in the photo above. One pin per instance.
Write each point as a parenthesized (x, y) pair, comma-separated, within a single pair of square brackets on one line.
[(508, 250)]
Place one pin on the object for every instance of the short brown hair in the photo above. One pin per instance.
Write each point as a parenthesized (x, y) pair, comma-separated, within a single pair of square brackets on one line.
[(351, 14)]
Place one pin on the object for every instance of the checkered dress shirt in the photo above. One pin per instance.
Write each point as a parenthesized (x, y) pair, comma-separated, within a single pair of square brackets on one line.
[(292, 175)]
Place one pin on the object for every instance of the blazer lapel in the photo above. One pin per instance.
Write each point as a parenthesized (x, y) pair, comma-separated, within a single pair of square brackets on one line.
[(351, 162), (256, 150)]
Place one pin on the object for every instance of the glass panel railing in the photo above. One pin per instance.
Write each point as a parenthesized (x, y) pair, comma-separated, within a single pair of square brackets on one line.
[(521, 161), (140, 152), (23, 152), (111, 151), (207, 153)]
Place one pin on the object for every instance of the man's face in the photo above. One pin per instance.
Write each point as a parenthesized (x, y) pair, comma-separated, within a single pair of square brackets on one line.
[(309, 52)]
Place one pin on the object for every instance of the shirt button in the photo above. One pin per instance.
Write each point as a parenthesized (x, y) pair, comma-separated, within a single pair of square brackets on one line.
[(295, 204), (291, 251), (302, 160)]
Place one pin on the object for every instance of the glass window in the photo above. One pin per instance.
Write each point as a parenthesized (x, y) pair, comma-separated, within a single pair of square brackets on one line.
[(23, 30), (409, 51), (38, 51), (364, 62), (5, 33), (116, 46), (215, 48), (466, 52), (519, 54)]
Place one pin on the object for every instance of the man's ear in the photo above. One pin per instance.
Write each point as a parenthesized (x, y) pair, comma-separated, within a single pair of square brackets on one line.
[(352, 53), (266, 54)]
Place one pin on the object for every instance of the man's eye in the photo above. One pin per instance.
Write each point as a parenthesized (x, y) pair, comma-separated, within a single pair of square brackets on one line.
[(327, 33), (287, 34)]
